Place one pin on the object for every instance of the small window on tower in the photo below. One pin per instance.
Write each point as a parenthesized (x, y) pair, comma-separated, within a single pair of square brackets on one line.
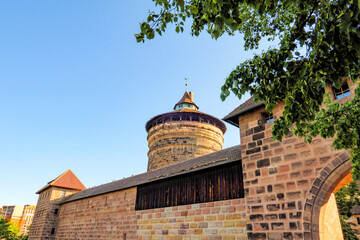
[(267, 117), (63, 193), (56, 211), (52, 231), (342, 92), (358, 221)]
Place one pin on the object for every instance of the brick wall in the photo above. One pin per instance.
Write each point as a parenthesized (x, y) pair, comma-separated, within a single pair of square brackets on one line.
[(107, 216), (221, 220), (112, 215)]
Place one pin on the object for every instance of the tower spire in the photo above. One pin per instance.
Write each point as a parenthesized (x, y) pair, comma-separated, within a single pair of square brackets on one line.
[(186, 84)]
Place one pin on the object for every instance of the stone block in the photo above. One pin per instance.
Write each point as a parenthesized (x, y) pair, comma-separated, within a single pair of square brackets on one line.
[(290, 157), (263, 163), (277, 226), (271, 216), (253, 150), (259, 128), (276, 160), (274, 236), (283, 168), (256, 236), (258, 208), (256, 217), (258, 136), (203, 225), (273, 207)]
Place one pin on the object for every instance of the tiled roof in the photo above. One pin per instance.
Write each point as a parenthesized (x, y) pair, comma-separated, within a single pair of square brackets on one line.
[(227, 155), (247, 106), (186, 99), (65, 180)]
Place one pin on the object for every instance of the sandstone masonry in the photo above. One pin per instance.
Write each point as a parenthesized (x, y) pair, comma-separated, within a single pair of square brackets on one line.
[(288, 186)]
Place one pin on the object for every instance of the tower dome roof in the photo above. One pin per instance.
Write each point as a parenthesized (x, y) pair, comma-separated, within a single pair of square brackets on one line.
[(185, 110)]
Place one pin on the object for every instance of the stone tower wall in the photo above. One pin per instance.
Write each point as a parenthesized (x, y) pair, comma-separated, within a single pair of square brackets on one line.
[(282, 179), (45, 218), (178, 141)]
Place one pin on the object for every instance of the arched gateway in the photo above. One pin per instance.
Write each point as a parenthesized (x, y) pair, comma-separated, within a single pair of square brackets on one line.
[(319, 213), (261, 189)]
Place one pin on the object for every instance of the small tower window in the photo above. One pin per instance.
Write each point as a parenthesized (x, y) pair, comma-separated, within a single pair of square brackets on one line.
[(358, 221), (56, 211), (342, 92), (52, 231), (267, 117), (63, 193)]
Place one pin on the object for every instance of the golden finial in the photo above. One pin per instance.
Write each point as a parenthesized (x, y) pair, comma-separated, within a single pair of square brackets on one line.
[(186, 85)]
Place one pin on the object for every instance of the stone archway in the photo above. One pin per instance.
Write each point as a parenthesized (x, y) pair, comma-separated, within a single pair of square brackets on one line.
[(320, 198)]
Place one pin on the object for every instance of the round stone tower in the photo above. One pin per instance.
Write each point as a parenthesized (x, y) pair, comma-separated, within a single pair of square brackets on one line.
[(182, 134)]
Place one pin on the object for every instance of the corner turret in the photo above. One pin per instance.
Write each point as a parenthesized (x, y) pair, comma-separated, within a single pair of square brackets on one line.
[(48, 205)]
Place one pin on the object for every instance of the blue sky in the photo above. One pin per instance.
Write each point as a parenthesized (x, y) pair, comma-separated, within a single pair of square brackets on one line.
[(76, 90)]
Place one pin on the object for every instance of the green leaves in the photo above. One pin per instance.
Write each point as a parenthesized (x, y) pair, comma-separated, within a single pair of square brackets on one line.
[(318, 45), (8, 230), (194, 10)]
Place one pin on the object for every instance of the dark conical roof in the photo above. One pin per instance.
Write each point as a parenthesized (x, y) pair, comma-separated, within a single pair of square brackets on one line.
[(186, 98)]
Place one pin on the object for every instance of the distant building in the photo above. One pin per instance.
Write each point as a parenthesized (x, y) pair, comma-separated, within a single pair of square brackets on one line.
[(22, 216)]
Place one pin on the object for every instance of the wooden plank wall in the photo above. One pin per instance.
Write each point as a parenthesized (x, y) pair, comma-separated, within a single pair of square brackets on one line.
[(213, 184)]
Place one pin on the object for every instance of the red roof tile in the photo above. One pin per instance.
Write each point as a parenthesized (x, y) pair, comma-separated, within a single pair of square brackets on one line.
[(65, 180)]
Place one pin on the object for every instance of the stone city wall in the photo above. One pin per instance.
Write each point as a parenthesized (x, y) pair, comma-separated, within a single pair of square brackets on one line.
[(113, 216), (107, 216)]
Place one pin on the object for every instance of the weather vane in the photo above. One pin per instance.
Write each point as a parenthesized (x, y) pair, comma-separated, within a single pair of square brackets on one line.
[(186, 85)]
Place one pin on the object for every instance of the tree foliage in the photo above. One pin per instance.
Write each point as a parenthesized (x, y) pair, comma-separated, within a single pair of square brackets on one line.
[(8, 231), (318, 45), (346, 199)]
